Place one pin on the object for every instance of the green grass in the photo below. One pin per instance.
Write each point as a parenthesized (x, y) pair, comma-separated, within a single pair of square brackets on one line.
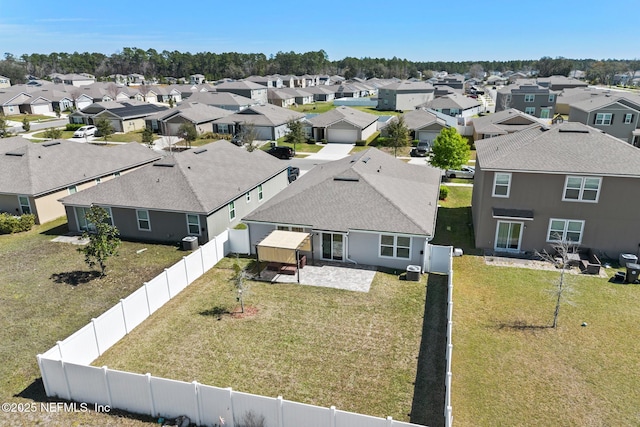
[(315, 345), (39, 307), (30, 117), (302, 148), (66, 134), (510, 369), (316, 107)]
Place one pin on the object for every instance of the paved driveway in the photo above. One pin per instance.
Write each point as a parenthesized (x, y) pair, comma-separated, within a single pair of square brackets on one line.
[(332, 151)]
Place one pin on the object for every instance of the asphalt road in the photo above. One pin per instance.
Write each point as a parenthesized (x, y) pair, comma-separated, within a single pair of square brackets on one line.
[(35, 126)]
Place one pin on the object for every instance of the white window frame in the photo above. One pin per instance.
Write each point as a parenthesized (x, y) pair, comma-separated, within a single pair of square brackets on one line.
[(495, 240), (23, 205), (603, 119), (628, 118), (98, 181), (248, 197), (232, 211), (529, 97), (581, 190), (530, 110), (552, 97), (495, 184), (72, 189), (140, 220), (565, 230), (260, 193), (394, 247), (89, 226), (190, 224)]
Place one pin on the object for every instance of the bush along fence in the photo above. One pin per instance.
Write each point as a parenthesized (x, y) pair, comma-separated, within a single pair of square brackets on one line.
[(66, 373)]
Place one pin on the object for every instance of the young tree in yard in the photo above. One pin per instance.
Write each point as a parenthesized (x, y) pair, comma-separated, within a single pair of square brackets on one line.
[(147, 136), (26, 126), (105, 128), (561, 289), (240, 277), (103, 239), (399, 134), (187, 131), (53, 133), (3, 127), (248, 135), (450, 150), (296, 134)]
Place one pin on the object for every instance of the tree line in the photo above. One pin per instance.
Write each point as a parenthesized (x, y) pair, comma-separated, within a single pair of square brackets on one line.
[(215, 66)]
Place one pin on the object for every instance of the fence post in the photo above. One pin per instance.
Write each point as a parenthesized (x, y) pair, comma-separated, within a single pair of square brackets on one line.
[(124, 317), (151, 402), (230, 416), (204, 270), (215, 246), (59, 345), (146, 293), (279, 408), (389, 421), (196, 395), (44, 374), (95, 335), (332, 416), (66, 380), (186, 269), (166, 276), (107, 385)]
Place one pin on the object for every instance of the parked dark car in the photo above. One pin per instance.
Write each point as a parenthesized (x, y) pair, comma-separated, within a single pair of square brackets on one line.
[(421, 150), (293, 173), (237, 140), (284, 153)]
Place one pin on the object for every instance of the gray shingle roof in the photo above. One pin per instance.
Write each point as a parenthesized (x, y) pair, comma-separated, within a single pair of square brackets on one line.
[(563, 148), (369, 190), (263, 115), (407, 86), (503, 122), (418, 119), (355, 117), (35, 169), (453, 100), (597, 102), (200, 180)]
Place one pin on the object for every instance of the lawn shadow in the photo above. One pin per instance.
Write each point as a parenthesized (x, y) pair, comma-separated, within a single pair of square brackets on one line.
[(217, 311), (429, 389), (59, 230), (454, 227), (521, 325), (75, 278)]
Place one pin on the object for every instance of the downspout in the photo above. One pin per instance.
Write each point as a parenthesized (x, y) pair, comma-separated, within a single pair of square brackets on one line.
[(346, 252)]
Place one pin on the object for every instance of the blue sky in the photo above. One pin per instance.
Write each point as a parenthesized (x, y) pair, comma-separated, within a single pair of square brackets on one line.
[(416, 30)]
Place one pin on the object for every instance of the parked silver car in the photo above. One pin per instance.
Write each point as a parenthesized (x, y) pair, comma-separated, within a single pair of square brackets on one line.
[(85, 131), (463, 172)]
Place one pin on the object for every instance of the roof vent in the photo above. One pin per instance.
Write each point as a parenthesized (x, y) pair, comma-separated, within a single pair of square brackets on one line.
[(51, 143), (14, 153), (200, 151), (366, 159), (346, 179)]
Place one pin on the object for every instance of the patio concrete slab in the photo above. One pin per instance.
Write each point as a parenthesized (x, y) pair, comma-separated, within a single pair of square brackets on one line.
[(74, 240), (356, 278)]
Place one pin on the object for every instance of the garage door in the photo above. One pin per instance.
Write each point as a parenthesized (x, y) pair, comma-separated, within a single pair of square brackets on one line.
[(40, 109), (342, 135), (427, 136)]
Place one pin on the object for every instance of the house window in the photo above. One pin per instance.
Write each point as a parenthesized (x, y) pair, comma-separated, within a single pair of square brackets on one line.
[(392, 246), (144, 223), (501, 184), (98, 181), (84, 224), (223, 128), (248, 197), (193, 224), (232, 211), (297, 229), (116, 174), (25, 206), (552, 97), (530, 110), (628, 118), (529, 97), (72, 189), (565, 230), (603, 119), (581, 189), (260, 195)]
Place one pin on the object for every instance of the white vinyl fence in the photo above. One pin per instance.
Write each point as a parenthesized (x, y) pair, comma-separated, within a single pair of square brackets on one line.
[(66, 373)]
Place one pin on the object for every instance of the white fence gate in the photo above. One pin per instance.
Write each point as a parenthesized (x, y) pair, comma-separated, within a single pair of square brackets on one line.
[(66, 372)]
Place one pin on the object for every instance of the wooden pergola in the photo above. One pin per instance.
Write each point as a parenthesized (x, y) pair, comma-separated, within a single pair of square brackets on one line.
[(283, 247)]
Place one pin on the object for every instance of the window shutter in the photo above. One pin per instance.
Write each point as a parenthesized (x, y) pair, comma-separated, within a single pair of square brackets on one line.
[(612, 117), (594, 118)]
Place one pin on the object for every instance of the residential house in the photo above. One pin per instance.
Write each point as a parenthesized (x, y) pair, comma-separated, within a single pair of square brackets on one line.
[(424, 125), (501, 123), (560, 82), (270, 122), (361, 209), (348, 90), (404, 95), (455, 105), (616, 115), (124, 116), (281, 98), (270, 82), (529, 98), (567, 182), (199, 192), (342, 124), (573, 95), (225, 100), (245, 88), (73, 79), (34, 176), (322, 93), (135, 79), (165, 94), (201, 116), (5, 82), (455, 81), (196, 79)]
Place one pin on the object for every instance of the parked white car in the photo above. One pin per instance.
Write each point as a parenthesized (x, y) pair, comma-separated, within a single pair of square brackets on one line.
[(85, 131), (464, 172)]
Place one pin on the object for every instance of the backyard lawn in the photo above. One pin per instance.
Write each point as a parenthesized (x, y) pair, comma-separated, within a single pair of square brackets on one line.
[(321, 346), (44, 299)]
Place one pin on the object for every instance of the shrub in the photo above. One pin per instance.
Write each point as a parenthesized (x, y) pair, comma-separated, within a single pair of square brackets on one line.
[(241, 226), (73, 126), (444, 192), (10, 224), (361, 143)]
